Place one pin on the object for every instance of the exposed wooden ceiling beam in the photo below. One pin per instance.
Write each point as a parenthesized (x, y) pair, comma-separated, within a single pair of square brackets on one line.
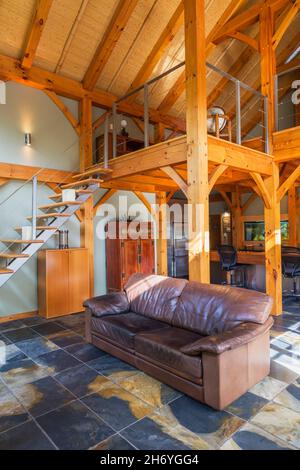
[(247, 18), (285, 23), (290, 66), (159, 49), (109, 41), (35, 32), (10, 69), (179, 86)]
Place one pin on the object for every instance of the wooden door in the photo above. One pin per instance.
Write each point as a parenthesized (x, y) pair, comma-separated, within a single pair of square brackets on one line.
[(79, 289), (146, 256), (57, 283), (130, 253)]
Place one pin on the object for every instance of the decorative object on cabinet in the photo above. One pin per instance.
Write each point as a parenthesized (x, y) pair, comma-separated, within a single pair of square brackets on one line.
[(63, 281), (131, 250)]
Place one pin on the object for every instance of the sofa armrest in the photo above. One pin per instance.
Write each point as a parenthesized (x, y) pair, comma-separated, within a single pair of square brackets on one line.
[(108, 304), (218, 344)]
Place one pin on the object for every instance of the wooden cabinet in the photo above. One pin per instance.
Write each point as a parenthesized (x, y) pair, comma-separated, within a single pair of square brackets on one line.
[(127, 254), (63, 281)]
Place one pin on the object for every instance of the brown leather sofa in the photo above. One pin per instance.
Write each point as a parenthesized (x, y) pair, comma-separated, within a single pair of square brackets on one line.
[(210, 342)]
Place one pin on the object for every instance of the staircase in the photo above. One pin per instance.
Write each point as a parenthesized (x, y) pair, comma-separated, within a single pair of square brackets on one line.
[(50, 219)]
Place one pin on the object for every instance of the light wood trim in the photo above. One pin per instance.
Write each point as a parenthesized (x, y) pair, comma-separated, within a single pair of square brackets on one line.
[(11, 171), (87, 238), (161, 227), (216, 174), (285, 23), (292, 208), (103, 200), (226, 198), (145, 201), (3, 181), (86, 134), (253, 43), (109, 41), (35, 32), (18, 316), (64, 109), (289, 182), (286, 67), (159, 49), (262, 189), (177, 178)]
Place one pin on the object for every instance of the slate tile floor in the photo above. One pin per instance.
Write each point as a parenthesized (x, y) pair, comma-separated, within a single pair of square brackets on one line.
[(58, 392)]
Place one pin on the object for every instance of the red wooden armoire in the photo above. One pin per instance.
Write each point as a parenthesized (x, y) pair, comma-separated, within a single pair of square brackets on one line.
[(129, 250)]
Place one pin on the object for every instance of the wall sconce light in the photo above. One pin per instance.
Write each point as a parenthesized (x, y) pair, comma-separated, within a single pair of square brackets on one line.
[(28, 139)]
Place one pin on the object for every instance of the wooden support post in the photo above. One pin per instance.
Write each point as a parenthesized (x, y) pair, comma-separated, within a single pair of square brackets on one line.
[(273, 243), (297, 112), (292, 208), (162, 242), (197, 154), (159, 133), (268, 65), (86, 134), (237, 228), (87, 237)]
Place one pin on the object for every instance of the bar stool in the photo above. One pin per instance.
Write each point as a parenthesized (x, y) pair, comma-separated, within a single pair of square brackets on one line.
[(291, 270), (228, 259)]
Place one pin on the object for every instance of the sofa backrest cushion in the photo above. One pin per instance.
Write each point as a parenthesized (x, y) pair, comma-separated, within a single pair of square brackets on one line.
[(154, 296), (211, 309)]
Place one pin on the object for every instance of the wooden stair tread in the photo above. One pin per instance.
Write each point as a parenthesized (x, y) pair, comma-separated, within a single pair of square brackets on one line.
[(82, 183), (59, 204), (93, 171), (79, 192), (6, 271), (21, 242), (53, 215), (13, 255), (39, 228)]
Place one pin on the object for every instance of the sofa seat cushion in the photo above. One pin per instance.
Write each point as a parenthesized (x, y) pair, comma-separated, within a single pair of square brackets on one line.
[(162, 347), (121, 329)]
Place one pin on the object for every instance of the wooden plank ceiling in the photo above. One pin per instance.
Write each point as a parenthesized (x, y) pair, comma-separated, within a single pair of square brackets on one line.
[(118, 44)]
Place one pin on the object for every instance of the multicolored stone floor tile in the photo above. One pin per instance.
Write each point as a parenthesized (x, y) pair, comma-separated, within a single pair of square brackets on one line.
[(250, 437), (66, 338), (74, 427), (116, 406), (12, 412), (280, 422), (80, 380), (48, 329), (22, 372), (28, 436), (83, 401), (290, 397), (56, 361), (10, 353), (42, 396), (115, 442), (36, 347), (268, 388), (147, 389), (21, 334), (247, 406), (85, 352), (113, 368)]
